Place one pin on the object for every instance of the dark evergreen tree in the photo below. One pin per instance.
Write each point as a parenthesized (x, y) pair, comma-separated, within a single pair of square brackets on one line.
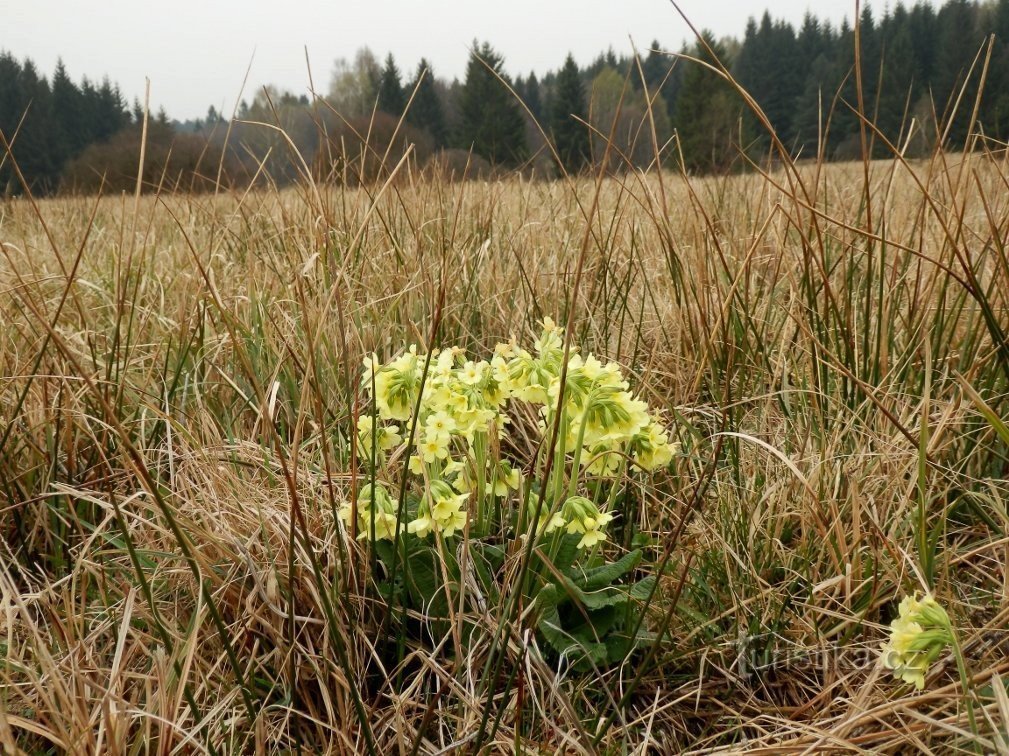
[(567, 116), (390, 89), (26, 123), (491, 123), (66, 113), (532, 97), (655, 67), (995, 107), (426, 110), (110, 112), (958, 44), (768, 67), (706, 113), (924, 38), (898, 90)]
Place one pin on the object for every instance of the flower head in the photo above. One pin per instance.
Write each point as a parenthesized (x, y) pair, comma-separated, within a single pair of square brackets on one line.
[(376, 513), (441, 510), (918, 635), (583, 516)]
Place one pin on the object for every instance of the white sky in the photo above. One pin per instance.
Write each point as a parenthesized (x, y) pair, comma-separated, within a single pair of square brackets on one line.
[(196, 52)]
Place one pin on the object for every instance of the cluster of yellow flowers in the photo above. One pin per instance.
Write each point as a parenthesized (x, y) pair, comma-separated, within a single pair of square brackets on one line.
[(578, 515), (442, 510), (460, 407), (373, 505), (918, 636)]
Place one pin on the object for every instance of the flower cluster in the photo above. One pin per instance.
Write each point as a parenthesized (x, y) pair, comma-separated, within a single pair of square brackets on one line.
[(441, 510), (583, 516), (455, 408), (918, 636), (602, 421), (374, 507)]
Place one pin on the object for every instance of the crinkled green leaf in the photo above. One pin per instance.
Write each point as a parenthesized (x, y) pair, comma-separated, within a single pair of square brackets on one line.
[(607, 574)]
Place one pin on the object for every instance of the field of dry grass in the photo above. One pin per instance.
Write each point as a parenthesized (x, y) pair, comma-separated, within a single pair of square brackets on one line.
[(179, 381)]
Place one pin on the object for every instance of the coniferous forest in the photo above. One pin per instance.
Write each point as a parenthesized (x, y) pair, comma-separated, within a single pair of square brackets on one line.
[(918, 73)]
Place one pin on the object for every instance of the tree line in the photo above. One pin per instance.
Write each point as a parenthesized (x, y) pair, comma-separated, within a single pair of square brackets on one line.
[(914, 62)]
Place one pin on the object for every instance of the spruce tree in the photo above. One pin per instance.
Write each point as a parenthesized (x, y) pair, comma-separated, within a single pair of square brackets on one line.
[(110, 110), (897, 92), (66, 114), (491, 121), (390, 90), (655, 67), (706, 113), (958, 44), (571, 136), (995, 106), (532, 97), (426, 110)]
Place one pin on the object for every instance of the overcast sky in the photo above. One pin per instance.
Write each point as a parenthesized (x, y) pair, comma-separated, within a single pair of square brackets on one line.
[(196, 51)]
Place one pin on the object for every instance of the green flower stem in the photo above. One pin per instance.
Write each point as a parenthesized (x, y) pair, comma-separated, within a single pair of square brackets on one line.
[(559, 466), (573, 485), (612, 497), (480, 457)]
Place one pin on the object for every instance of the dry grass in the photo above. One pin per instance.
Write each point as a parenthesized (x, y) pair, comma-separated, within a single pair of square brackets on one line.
[(177, 381)]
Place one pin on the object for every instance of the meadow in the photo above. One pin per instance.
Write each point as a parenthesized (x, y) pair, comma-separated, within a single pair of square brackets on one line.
[(181, 384)]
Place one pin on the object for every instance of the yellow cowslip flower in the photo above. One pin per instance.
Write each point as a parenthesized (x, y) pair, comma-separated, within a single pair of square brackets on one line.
[(918, 636), (505, 478), (434, 447), (372, 505), (439, 423), (438, 396), (442, 510), (551, 339), (550, 522), (443, 363), (422, 526), (472, 372), (591, 529), (499, 371), (656, 457), (530, 378), (388, 436), (456, 520), (584, 517), (371, 367), (472, 421), (396, 393), (651, 447), (591, 537)]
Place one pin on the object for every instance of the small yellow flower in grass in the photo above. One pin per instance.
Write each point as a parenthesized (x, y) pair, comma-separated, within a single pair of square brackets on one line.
[(440, 424), (506, 478), (374, 507), (388, 436), (546, 523), (583, 516), (422, 526), (918, 636), (472, 372), (442, 511), (591, 537), (434, 447), (549, 523)]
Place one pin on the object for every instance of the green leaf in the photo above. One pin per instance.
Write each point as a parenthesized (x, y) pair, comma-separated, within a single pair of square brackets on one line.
[(608, 574), (567, 552), (642, 589), (605, 596)]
